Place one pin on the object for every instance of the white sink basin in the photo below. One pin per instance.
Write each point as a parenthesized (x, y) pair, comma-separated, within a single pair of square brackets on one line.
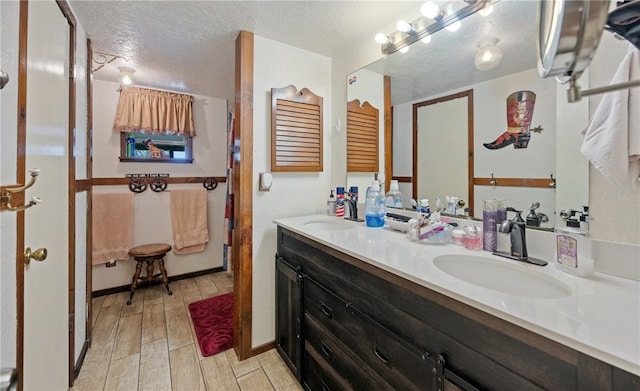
[(337, 224), (502, 276)]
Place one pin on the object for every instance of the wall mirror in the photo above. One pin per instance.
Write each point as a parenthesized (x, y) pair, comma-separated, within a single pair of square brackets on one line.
[(445, 66)]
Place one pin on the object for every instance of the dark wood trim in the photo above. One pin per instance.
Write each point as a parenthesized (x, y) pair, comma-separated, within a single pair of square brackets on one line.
[(170, 180), (71, 193), (83, 354), (82, 185), (469, 95), (243, 198), (20, 174), (388, 132), (127, 288), (515, 182), (263, 348), (87, 183), (403, 179)]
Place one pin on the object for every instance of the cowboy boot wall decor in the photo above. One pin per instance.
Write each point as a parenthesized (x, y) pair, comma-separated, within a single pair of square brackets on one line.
[(519, 114)]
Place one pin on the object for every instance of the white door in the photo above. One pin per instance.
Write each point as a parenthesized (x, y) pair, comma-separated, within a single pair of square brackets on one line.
[(46, 324)]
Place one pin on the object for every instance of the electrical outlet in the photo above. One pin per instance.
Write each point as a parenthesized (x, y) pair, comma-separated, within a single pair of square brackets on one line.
[(111, 263)]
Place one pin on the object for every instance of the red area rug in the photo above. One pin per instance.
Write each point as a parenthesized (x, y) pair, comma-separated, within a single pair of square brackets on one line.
[(213, 323)]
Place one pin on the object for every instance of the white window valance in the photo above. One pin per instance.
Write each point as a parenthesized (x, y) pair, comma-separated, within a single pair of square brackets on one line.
[(143, 110)]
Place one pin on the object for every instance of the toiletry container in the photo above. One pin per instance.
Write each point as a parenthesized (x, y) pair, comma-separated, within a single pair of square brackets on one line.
[(374, 207), (573, 250), (339, 201), (472, 237), (490, 226), (394, 197), (331, 205), (501, 206)]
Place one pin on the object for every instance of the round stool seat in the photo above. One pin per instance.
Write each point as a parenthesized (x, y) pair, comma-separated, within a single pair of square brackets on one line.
[(149, 253), (150, 250)]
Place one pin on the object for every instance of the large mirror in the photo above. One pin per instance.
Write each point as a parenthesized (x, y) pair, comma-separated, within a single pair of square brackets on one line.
[(516, 162)]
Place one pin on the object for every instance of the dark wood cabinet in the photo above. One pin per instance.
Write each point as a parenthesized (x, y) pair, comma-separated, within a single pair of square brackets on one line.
[(289, 291), (364, 328)]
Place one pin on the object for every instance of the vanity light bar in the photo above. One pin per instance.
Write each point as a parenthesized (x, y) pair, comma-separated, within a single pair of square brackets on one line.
[(424, 27)]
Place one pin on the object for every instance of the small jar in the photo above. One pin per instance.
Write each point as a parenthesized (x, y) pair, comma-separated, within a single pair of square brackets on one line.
[(457, 236), (472, 237)]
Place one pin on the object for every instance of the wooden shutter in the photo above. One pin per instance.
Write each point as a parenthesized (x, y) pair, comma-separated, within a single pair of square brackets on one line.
[(296, 130), (362, 137)]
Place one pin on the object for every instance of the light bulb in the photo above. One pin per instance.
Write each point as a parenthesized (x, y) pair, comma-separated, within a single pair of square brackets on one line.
[(126, 76), (430, 10), (404, 27), (426, 39), (381, 38), (404, 49), (486, 11), (487, 57), (454, 26)]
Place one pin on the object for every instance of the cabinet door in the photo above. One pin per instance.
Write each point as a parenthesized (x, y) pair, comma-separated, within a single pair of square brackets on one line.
[(289, 289)]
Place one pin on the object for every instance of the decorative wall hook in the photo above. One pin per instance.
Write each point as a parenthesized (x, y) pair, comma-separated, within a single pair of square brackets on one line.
[(138, 185), (6, 196), (158, 185), (493, 181), (553, 182), (210, 183)]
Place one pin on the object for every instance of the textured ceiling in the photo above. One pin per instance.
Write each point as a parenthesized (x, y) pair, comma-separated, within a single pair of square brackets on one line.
[(189, 46)]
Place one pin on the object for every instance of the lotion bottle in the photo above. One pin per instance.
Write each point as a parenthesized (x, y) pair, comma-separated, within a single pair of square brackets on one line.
[(573, 250)]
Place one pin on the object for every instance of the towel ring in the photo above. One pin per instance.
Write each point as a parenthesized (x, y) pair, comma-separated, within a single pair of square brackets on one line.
[(158, 185), (210, 183), (138, 185)]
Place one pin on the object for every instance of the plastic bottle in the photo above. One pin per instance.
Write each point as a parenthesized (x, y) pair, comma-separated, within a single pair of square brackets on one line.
[(374, 207), (574, 251), (339, 201), (490, 226), (393, 197), (331, 205)]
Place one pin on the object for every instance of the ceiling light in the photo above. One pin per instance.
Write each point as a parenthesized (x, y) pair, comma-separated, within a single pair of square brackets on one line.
[(381, 38), (455, 26), (426, 39), (431, 10), (404, 27), (486, 11), (489, 55), (126, 76)]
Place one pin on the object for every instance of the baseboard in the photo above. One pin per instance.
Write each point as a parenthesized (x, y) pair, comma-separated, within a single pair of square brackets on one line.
[(263, 348), (127, 288)]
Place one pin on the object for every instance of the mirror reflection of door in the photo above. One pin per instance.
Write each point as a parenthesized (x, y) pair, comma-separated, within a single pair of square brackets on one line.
[(443, 145)]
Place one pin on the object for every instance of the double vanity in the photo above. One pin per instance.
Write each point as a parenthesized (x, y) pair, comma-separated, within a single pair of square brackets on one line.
[(367, 309)]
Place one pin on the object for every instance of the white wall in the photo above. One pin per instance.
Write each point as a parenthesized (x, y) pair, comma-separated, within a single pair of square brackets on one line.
[(9, 14), (152, 221), (278, 65)]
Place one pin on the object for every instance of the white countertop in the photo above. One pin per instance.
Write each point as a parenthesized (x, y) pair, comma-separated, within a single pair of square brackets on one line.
[(601, 316)]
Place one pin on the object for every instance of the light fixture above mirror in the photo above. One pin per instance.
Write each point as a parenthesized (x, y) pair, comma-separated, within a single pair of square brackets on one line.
[(434, 19)]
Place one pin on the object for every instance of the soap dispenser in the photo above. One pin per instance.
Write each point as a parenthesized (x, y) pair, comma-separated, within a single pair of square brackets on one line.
[(331, 205)]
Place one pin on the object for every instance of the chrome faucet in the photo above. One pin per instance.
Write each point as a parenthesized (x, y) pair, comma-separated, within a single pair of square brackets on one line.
[(516, 228)]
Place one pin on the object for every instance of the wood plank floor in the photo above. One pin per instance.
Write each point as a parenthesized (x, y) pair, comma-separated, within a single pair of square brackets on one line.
[(151, 345)]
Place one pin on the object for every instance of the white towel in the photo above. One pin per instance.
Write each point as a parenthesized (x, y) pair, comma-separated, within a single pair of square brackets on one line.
[(612, 138)]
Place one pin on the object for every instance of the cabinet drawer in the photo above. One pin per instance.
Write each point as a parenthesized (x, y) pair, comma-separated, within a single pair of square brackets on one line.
[(330, 353), (325, 307), (400, 365), (319, 376)]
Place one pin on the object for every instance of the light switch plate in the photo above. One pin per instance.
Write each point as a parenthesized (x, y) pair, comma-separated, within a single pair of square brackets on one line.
[(265, 179)]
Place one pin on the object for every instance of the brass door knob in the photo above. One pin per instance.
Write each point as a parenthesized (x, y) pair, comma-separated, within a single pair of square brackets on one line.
[(38, 255)]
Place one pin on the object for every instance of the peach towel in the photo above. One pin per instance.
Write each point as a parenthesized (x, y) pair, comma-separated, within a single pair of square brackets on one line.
[(112, 215), (189, 220)]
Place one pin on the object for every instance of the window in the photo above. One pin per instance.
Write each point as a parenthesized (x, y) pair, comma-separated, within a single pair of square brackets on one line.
[(143, 147)]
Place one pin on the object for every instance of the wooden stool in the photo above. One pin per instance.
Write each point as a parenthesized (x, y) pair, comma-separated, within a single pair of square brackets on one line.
[(149, 253)]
